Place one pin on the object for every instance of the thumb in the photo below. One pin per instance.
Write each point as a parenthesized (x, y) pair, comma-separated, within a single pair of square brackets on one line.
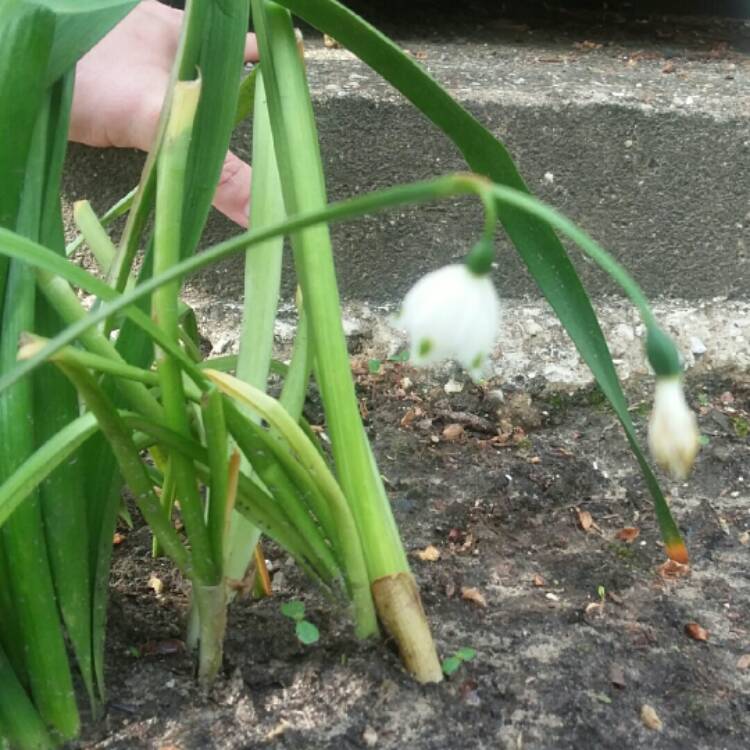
[(232, 195)]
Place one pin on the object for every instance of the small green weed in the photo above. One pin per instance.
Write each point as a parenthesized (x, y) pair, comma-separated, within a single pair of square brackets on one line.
[(305, 631), (452, 663)]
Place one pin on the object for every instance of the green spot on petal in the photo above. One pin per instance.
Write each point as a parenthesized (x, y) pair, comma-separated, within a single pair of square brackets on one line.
[(476, 363), (425, 347)]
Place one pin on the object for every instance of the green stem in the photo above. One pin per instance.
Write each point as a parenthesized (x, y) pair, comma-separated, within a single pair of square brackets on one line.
[(112, 213), (295, 139), (169, 197), (262, 283), (346, 530)]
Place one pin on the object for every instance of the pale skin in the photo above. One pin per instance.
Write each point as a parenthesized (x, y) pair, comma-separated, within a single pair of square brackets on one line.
[(120, 86)]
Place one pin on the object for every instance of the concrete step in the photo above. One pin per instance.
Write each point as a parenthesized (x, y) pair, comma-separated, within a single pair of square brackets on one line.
[(647, 149)]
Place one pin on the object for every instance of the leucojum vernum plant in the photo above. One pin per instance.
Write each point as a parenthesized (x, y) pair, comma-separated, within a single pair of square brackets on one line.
[(116, 395)]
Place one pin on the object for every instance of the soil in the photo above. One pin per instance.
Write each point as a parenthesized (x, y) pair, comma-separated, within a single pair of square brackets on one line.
[(575, 630)]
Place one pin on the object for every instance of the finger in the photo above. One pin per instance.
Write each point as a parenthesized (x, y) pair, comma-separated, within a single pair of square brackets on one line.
[(251, 48), (232, 196)]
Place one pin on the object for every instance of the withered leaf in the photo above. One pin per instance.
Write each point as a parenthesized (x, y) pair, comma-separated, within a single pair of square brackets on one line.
[(743, 662), (537, 581), (650, 718), (473, 595), (585, 520), (696, 632), (672, 569), (629, 534), (429, 554), (453, 432)]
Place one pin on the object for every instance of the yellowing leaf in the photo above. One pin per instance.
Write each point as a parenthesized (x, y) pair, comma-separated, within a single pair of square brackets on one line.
[(696, 632), (473, 595), (429, 554), (585, 520), (629, 534), (650, 718), (453, 432)]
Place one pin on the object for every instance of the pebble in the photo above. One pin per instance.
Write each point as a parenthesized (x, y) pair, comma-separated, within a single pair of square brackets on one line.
[(697, 346), (533, 328), (453, 386)]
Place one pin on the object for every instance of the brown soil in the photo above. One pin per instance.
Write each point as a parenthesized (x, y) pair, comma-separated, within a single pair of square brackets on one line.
[(556, 666)]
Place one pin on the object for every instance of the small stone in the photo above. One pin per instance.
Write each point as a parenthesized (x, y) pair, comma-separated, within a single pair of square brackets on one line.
[(370, 736), (549, 178), (156, 584), (453, 386), (532, 328), (697, 347)]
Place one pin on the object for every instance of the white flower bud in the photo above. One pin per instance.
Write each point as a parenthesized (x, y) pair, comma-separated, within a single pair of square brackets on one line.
[(452, 313), (673, 430)]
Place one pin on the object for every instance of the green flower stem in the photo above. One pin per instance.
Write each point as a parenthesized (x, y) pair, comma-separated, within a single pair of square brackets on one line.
[(14, 246), (169, 194), (295, 139)]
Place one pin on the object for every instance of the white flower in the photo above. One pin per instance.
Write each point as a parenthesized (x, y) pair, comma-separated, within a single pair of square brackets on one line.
[(673, 429), (452, 313)]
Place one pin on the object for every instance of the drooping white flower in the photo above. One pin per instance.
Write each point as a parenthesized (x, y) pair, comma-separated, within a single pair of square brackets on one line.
[(673, 436), (452, 313)]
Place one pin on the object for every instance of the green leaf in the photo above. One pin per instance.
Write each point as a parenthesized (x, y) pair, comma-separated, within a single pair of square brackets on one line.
[(450, 665), (306, 632), (373, 366), (20, 724), (25, 39), (294, 610), (535, 241), (80, 25), (466, 653)]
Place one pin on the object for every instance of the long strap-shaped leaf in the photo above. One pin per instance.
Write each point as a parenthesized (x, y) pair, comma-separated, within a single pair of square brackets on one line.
[(536, 242)]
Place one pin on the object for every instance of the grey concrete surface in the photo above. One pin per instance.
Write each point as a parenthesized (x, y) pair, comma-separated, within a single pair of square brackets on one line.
[(647, 149)]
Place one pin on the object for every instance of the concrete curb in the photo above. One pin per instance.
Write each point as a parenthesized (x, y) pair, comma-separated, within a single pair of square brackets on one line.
[(654, 165)]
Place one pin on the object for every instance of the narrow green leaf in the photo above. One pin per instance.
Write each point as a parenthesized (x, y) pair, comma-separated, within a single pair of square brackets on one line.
[(217, 445), (63, 500), (23, 534), (25, 34), (261, 298), (40, 464), (20, 724)]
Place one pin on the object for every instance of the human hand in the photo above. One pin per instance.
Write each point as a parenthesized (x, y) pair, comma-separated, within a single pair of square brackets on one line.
[(120, 87)]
